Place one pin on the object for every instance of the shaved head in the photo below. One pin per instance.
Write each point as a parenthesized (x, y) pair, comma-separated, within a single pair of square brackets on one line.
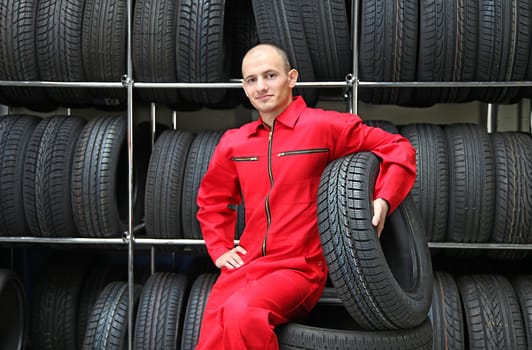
[(269, 48)]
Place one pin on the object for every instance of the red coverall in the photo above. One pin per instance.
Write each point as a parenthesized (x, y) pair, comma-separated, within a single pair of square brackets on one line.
[(278, 171)]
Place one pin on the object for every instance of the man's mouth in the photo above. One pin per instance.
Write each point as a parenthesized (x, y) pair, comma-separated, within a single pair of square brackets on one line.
[(263, 97)]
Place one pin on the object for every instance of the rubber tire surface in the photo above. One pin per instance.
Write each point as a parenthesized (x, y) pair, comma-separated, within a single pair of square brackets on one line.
[(108, 323), (154, 33), (15, 134), (492, 312), (431, 188), (197, 299), (279, 22), (18, 55), (388, 48), (513, 192), (446, 314), (58, 45), (164, 184), (160, 312), (14, 311), (203, 49), (55, 298), (198, 159), (103, 47), (472, 184), (99, 178), (385, 284), (331, 328), (47, 175)]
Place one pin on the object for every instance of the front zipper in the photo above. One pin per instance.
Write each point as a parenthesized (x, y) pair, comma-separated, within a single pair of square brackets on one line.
[(245, 159), (302, 151), (267, 201)]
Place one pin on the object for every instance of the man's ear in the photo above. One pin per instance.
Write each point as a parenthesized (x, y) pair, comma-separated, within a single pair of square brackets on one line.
[(292, 77)]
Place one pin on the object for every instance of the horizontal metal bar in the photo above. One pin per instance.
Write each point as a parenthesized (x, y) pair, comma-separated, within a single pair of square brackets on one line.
[(170, 241), (454, 245), (474, 84), (87, 84), (62, 240), (234, 85)]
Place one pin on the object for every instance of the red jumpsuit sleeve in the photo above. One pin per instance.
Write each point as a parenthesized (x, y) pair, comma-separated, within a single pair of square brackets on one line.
[(397, 172), (218, 196)]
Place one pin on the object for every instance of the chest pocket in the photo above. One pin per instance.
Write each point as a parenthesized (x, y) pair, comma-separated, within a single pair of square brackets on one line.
[(303, 163), (299, 173)]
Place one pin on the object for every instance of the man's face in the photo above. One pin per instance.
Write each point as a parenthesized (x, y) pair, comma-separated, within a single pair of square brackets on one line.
[(266, 82)]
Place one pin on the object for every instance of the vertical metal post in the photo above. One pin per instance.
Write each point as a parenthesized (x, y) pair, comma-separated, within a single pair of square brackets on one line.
[(130, 238), (530, 118), (153, 116), (354, 24), (491, 118)]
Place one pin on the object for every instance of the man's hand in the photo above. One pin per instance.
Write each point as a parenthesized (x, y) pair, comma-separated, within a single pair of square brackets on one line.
[(380, 210), (231, 259)]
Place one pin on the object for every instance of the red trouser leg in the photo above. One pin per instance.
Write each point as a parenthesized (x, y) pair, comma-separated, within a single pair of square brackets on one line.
[(244, 317)]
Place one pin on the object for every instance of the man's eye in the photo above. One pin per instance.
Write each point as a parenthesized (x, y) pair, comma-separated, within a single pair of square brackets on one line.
[(271, 76), (250, 81)]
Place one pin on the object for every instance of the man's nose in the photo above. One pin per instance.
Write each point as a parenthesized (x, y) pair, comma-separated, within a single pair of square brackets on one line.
[(261, 84)]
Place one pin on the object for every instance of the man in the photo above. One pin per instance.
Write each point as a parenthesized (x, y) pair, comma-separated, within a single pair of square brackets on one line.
[(278, 271)]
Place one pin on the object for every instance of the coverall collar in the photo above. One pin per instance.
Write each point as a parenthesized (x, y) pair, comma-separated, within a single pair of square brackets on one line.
[(288, 117)]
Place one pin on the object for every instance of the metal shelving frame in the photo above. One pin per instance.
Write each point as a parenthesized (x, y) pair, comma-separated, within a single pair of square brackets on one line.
[(128, 240)]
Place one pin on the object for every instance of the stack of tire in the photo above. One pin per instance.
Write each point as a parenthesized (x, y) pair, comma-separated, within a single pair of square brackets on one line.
[(81, 304), (473, 187), (449, 41), (177, 164), (66, 177), (482, 310), (171, 41)]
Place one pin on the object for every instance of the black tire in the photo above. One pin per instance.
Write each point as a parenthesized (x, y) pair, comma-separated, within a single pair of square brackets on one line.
[(388, 48), (58, 45), (431, 188), (385, 284), (15, 133), (243, 30), (328, 38), (14, 311), (18, 54), (160, 312), (491, 312), (55, 304), (523, 288), (154, 31), (197, 299), (103, 47), (331, 328), (441, 42), (99, 173), (47, 175), (203, 49), (446, 314), (503, 46), (164, 184), (471, 184), (98, 276), (108, 323), (279, 22), (198, 159), (513, 192), (244, 33)]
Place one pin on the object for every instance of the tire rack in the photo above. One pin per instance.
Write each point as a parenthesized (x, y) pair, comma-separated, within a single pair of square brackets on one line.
[(351, 85)]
